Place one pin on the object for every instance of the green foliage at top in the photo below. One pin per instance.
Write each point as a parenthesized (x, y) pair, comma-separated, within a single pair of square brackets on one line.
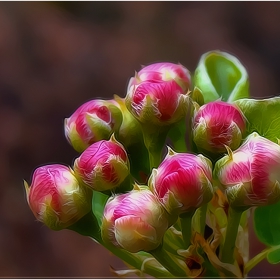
[(220, 75)]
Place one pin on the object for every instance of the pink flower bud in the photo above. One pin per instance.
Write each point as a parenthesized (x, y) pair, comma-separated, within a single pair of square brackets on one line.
[(134, 221), (56, 198), (103, 165), (183, 182), (93, 121), (217, 124), (159, 103), (251, 174), (165, 71)]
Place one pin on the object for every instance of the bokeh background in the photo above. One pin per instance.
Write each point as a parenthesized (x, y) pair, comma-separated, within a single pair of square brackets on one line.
[(54, 56)]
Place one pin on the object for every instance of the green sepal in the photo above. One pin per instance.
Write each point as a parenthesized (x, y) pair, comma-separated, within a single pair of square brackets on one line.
[(130, 132), (197, 96), (220, 75), (263, 116)]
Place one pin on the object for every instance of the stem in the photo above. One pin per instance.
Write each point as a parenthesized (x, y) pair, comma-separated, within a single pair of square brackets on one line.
[(172, 264), (231, 233), (258, 258), (202, 218), (186, 225), (173, 240), (154, 139), (177, 134), (139, 161)]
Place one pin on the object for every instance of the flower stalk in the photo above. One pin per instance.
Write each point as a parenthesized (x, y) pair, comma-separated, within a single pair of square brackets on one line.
[(227, 253)]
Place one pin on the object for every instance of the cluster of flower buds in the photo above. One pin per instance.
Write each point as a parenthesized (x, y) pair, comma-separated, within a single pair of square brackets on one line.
[(158, 94), (250, 175), (59, 196), (216, 125)]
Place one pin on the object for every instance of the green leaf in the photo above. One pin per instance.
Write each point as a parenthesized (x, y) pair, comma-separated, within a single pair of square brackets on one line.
[(98, 203), (263, 116), (220, 75), (267, 224), (274, 257)]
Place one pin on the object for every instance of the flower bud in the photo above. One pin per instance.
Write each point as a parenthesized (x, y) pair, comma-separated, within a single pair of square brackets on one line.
[(93, 121), (165, 71), (183, 182), (56, 198), (216, 125), (251, 174), (158, 103), (134, 221), (103, 166)]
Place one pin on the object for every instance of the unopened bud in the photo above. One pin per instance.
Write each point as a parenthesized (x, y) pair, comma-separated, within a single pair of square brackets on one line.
[(93, 121), (163, 71), (183, 182), (216, 125), (103, 166), (134, 221), (56, 198), (250, 175), (158, 103)]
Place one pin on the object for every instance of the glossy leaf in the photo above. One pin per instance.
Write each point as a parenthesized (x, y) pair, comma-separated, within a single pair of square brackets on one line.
[(263, 116), (267, 224), (220, 75)]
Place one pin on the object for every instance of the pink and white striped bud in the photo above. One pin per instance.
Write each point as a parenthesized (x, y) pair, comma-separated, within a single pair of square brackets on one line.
[(182, 182), (134, 221), (250, 175), (103, 166), (218, 124), (56, 198), (93, 121), (158, 103), (162, 72)]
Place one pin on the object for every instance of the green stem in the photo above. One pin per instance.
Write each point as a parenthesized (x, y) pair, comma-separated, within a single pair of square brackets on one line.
[(173, 240), (202, 218), (186, 225), (258, 258), (139, 161), (177, 134), (171, 263), (231, 233), (154, 139)]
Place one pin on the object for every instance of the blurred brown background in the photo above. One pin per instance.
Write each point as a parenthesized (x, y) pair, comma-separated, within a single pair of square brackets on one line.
[(54, 56)]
